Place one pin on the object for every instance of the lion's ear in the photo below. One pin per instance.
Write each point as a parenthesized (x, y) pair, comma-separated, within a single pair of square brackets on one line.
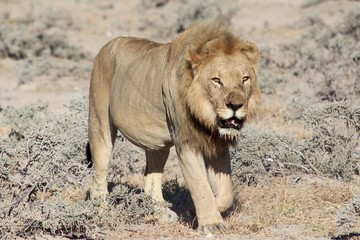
[(197, 54), (251, 51)]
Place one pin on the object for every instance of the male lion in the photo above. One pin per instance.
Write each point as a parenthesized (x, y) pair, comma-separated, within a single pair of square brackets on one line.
[(195, 93)]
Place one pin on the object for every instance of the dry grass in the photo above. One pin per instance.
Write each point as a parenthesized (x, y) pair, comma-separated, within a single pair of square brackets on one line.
[(306, 201)]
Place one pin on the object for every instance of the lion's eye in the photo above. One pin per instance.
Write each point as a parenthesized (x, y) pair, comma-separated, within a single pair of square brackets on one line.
[(217, 80), (246, 78)]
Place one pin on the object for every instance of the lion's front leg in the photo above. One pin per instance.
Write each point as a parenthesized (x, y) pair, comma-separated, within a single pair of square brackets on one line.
[(155, 162), (219, 174), (194, 171)]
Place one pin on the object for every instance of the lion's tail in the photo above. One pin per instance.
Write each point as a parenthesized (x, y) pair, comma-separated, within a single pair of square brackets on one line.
[(88, 156)]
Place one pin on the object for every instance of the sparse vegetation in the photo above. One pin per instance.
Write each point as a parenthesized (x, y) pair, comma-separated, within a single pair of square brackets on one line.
[(188, 11), (335, 135), (331, 149), (347, 217), (43, 178), (279, 177), (43, 38)]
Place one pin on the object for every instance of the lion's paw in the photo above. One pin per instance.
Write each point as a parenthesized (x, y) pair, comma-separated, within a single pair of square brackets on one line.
[(165, 215), (216, 228)]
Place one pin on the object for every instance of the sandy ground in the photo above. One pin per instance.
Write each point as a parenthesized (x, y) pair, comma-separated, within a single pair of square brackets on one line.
[(90, 24)]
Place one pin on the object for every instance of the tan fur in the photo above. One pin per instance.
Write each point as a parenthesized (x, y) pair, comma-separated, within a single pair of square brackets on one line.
[(180, 93)]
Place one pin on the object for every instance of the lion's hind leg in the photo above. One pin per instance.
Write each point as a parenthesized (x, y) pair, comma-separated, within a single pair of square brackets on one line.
[(101, 145), (102, 134)]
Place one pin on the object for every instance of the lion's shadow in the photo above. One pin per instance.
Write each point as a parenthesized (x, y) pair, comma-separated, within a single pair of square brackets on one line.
[(181, 202), (177, 196), (183, 205)]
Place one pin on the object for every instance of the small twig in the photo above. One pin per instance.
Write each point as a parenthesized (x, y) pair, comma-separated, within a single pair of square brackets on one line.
[(28, 149), (20, 198), (48, 185), (317, 171), (298, 166), (130, 230)]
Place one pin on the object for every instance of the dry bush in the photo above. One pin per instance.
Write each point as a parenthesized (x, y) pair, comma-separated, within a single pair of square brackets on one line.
[(43, 178), (40, 36), (323, 65), (40, 39), (39, 166), (319, 76), (335, 134), (331, 150), (312, 3), (260, 154), (159, 15), (348, 218)]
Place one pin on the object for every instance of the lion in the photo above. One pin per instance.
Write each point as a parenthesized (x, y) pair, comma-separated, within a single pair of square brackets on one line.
[(194, 93)]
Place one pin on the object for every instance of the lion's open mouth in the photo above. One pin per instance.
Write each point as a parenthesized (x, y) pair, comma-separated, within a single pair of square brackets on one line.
[(232, 122)]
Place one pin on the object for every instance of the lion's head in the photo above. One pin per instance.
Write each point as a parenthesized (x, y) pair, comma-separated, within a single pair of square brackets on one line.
[(223, 91)]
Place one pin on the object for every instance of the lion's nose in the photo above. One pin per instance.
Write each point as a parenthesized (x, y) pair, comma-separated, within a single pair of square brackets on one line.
[(235, 101), (234, 106)]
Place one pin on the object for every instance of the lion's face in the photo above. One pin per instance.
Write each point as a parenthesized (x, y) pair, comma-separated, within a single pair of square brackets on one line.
[(223, 86)]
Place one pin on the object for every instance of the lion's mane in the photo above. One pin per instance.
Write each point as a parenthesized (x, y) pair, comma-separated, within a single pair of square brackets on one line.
[(196, 127)]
